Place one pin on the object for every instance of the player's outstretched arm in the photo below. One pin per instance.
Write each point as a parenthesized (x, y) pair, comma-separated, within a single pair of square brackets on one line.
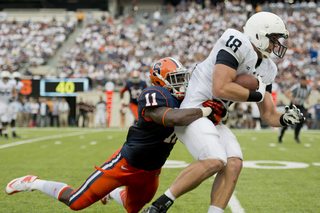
[(175, 117)]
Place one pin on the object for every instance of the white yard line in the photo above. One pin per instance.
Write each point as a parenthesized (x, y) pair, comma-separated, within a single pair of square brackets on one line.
[(235, 205), (45, 138)]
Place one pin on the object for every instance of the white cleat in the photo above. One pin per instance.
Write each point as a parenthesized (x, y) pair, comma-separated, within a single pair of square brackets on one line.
[(24, 183), (105, 200)]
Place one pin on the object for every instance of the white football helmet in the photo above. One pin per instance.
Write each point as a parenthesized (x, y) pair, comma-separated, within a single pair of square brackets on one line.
[(16, 75), (5, 76), (259, 29)]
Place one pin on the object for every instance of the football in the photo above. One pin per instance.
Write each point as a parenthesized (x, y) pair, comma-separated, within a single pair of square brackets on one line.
[(247, 81)]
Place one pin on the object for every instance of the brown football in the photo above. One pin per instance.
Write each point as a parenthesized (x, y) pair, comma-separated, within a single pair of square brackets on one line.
[(247, 81)]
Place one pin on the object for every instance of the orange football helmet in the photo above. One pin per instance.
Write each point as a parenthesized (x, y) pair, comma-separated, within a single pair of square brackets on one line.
[(135, 77), (171, 75)]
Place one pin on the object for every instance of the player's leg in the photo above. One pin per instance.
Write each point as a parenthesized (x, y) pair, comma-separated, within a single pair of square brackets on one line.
[(31, 183), (14, 112), (201, 138), (226, 179), (104, 180), (141, 190), (134, 110), (4, 120)]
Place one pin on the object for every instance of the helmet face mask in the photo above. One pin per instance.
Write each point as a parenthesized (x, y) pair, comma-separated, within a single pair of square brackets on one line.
[(5, 76), (261, 27), (171, 75), (135, 77), (16, 76)]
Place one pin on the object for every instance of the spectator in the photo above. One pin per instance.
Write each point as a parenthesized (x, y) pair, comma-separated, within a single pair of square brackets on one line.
[(316, 122), (82, 113), (44, 112), (34, 108), (64, 111), (20, 114), (26, 112), (80, 17), (55, 113), (101, 109), (90, 110), (3, 16), (49, 117)]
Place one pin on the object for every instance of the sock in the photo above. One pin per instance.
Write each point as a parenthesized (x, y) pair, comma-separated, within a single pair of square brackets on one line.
[(13, 129), (5, 131), (214, 209), (163, 202), (118, 195), (51, 188), (169, 195)]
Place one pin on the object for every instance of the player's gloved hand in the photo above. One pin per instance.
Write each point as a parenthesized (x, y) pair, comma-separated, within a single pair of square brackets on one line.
[(261, 88), (11, 99), (291, 116), (218, 111)]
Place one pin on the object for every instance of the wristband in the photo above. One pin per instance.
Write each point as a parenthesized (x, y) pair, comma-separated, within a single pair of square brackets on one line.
[(254, 96), (206, 111), (282, 121)]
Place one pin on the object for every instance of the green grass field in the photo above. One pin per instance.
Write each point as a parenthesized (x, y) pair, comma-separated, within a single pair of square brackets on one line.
[(69, 155)]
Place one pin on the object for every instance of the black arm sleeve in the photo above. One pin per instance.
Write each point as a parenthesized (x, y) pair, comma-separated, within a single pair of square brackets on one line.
[(269, 88), (223, 57)]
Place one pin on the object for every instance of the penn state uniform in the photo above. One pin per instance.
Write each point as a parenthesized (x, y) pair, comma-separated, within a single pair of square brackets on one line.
[(13, 106), (236, 51), (138, 163), (134, 91), (5, 96)]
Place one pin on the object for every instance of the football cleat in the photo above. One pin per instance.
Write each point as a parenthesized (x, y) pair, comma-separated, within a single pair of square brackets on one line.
[(154, 209), (105, 200), (14, 135), (24, 183)]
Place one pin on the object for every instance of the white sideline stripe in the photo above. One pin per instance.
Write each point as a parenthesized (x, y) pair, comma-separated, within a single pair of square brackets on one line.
[(42, 138), (235, 205)]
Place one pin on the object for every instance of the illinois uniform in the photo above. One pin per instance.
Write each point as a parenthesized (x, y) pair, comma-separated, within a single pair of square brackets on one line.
[(138, 163), (218, 142), (134, 91)]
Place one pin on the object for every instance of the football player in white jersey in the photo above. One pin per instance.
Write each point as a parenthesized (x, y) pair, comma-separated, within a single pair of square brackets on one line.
[(214, 146), (101, 110), (7, 95), (13, 106)]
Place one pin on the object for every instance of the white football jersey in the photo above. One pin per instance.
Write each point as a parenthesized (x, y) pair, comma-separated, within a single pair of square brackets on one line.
[(239, 46), (18, 86), (101, 107), (6, 91)]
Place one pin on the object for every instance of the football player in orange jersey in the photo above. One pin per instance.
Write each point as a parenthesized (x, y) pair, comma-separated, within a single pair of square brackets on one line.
[(135, 86)]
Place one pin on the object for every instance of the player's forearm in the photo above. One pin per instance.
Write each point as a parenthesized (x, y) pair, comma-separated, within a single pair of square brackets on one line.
[(231, 92), (182, 117)]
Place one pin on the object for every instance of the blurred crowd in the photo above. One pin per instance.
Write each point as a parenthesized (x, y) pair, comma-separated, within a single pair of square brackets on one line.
[(30, 42)]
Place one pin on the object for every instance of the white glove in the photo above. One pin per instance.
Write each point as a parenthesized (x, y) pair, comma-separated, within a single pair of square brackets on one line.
[(261, 88), (291, 116)]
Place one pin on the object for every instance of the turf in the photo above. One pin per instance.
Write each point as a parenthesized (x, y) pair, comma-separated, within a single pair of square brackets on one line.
[(70, 157)]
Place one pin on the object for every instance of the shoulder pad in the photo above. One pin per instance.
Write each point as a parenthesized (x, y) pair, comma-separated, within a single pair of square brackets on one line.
[(154, 96)]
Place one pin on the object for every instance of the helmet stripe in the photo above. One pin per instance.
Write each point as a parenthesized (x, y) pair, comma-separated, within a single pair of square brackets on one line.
[(176, 62)]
